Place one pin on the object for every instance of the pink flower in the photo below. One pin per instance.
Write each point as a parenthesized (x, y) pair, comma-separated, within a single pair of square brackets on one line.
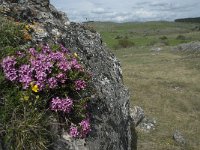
[(61, 77), (63, 49), (20, 54), (63, 105), (52, 82), (80, 84), (25, 75), (8, 65), (46, 49), (85, 127), (55, 104), (64, 65), (32, 51), (73, 131), (75, 64)]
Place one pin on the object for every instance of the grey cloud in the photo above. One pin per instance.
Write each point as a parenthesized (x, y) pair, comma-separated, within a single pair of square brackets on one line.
[(165, 6), (101, 11), (172, 7), (121, 10), (142, 3), (158, 4), (98, 3)]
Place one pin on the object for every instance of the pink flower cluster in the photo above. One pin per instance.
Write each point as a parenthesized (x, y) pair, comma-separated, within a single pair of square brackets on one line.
[(64, 105), (46, 69), (82, 130), (8, 65), (52, 71)]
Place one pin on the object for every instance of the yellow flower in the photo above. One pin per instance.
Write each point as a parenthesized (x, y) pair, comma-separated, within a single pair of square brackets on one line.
[(35, 88), (26, 98), (27, 27), (75, 55)]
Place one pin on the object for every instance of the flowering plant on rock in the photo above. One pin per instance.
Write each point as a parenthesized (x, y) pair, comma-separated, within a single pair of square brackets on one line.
[(51, 80)]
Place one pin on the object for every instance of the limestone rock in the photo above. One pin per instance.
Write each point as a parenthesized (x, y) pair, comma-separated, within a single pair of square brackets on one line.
[(137, 115), (109, 107), (68, 143), (33, 11), (178, 137), (192, 47), (147, 125)]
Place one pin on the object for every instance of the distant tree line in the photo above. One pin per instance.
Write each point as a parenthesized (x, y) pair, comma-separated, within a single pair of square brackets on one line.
[(192, 20)]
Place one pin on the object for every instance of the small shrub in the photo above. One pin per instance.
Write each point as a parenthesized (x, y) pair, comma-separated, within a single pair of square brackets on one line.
[(36, 85), (118, 37), (163, 38), (125, 43), (181, 37)]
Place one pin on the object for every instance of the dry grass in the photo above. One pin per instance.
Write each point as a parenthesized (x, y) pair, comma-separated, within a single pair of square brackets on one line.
[(167, 88)]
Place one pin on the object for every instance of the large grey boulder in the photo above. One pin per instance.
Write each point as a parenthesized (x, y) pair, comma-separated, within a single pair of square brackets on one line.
[(109, 107)]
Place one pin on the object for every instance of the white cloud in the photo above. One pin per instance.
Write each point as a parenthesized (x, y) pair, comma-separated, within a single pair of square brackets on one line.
[(98, 11), (127, 10)]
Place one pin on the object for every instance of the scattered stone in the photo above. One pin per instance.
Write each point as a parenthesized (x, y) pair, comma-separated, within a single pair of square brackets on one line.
[(191, 47), (137, 115), (196, 28), (156, 49), (147, 125), (178, 137)]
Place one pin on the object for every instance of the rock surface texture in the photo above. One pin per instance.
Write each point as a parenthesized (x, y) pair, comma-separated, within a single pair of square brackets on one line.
[(137, 115), (192, 47), (110, 104), (178, 137), (147, 125)]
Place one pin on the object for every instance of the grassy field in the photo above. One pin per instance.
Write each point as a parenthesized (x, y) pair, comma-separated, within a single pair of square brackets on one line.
[(164, 83), (147, 34)]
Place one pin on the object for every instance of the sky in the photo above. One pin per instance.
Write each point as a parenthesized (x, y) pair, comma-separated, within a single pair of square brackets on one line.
[(127, 10)]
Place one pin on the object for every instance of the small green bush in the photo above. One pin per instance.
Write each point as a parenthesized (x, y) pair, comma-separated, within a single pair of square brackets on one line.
[(118, 37), (125, 43), (163, 38), (181, 37)]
